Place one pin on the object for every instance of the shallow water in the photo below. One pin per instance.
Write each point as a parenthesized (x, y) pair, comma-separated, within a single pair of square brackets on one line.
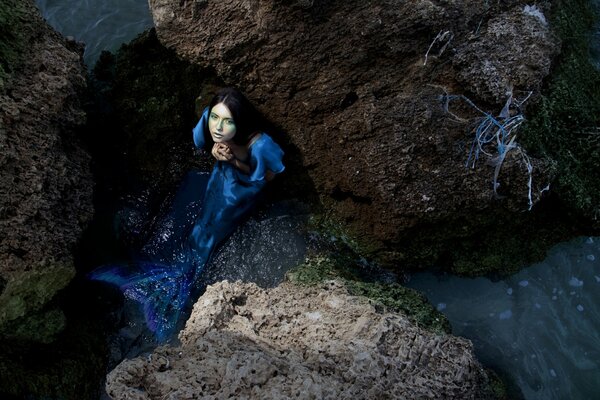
[(540, 326), (100, 24)]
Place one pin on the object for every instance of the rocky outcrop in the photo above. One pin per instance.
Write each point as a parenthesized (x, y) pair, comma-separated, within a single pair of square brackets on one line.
[(45, 183), (363, 89), (300, 342)]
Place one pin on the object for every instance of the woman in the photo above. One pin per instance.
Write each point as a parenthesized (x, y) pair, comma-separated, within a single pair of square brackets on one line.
[(206, 210)]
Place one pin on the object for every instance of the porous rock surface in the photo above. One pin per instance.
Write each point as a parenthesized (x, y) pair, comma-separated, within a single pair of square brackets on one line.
[(300, 342), (349, 83), (45, 179)]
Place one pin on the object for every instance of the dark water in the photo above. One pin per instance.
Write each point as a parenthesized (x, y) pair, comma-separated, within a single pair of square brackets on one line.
[(540, 326), (100, 24)]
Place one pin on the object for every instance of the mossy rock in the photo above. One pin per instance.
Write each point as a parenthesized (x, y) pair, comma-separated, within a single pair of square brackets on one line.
[(30, 291), (494, 242), (564, 127), (388, 296), (40, 327)]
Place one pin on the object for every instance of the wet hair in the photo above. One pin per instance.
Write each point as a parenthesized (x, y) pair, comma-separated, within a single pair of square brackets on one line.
[(245, 116)]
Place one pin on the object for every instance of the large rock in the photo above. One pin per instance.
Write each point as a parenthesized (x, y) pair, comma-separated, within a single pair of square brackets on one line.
[(348, 82), (45, 183), (300, 342)]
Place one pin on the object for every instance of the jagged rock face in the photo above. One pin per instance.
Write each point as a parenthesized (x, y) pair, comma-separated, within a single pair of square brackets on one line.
[(348, 82), (307, 342), (45, 183)]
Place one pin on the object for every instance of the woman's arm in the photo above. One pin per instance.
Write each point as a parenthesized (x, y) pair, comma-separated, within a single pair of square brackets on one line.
[(223, 153)]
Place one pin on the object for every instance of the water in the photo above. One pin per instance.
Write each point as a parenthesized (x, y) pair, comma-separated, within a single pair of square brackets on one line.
[(100, 24), (540, 326)]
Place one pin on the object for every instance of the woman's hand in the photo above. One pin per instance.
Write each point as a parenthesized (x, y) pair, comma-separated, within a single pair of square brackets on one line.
[(222, 152)]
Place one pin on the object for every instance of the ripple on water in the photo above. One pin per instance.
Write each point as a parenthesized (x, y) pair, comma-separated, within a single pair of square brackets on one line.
[(538, 326), (100, 24)]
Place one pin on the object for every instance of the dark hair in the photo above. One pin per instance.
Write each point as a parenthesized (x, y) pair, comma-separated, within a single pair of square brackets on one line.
[(245, 116)]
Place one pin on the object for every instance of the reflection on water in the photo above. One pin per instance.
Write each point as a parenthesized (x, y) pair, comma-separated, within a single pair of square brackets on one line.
[(101, 24), (540, 326)]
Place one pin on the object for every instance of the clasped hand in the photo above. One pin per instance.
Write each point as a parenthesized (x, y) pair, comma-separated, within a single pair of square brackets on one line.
[(222, 152)]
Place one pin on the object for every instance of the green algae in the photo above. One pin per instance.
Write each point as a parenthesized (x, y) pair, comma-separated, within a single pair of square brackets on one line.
[(494, 242), (388, 296), (30, 291), (565, 125), (329, 226)]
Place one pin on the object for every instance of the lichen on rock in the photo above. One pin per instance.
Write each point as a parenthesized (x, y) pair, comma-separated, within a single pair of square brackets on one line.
[(307, 342)]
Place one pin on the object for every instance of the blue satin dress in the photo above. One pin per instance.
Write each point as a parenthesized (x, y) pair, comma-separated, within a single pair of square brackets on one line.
[(206, 209)]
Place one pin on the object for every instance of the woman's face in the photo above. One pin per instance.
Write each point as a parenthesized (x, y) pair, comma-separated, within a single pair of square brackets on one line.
[(221, 124)]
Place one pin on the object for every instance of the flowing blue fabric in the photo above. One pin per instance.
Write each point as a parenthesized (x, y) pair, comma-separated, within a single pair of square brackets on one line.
[(205, 210)]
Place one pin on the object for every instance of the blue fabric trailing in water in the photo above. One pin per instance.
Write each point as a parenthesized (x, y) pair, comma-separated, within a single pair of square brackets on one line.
[(205, 210)]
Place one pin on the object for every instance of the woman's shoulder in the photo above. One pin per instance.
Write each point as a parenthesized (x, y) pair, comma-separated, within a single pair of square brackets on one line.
[(262, 140), (266, 153)]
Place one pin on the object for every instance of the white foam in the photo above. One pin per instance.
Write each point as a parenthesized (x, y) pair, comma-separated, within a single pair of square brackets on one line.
[(524, 283), (552, 373), (441, 306), (590, 240), (509, 291), (591, 257), (579, 307), (575, 282)]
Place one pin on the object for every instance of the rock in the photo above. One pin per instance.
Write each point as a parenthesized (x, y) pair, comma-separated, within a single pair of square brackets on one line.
[(507, 56), (307, 342), (45, 183), (365, 116)]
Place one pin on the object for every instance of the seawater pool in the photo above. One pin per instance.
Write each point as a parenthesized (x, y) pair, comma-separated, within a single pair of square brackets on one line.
[(100, 24), (540, 327)]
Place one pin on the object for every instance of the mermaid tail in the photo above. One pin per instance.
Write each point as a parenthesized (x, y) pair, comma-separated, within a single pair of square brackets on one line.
[(163, 291), (205, 210)]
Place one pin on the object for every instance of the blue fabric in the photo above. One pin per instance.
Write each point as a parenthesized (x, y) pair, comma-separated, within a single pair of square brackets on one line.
[(205, 210), (199, 129)]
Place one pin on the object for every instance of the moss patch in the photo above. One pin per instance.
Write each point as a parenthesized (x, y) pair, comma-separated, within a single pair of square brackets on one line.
[(565, 125), (495, 242), (30, 291), (390, 296)]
